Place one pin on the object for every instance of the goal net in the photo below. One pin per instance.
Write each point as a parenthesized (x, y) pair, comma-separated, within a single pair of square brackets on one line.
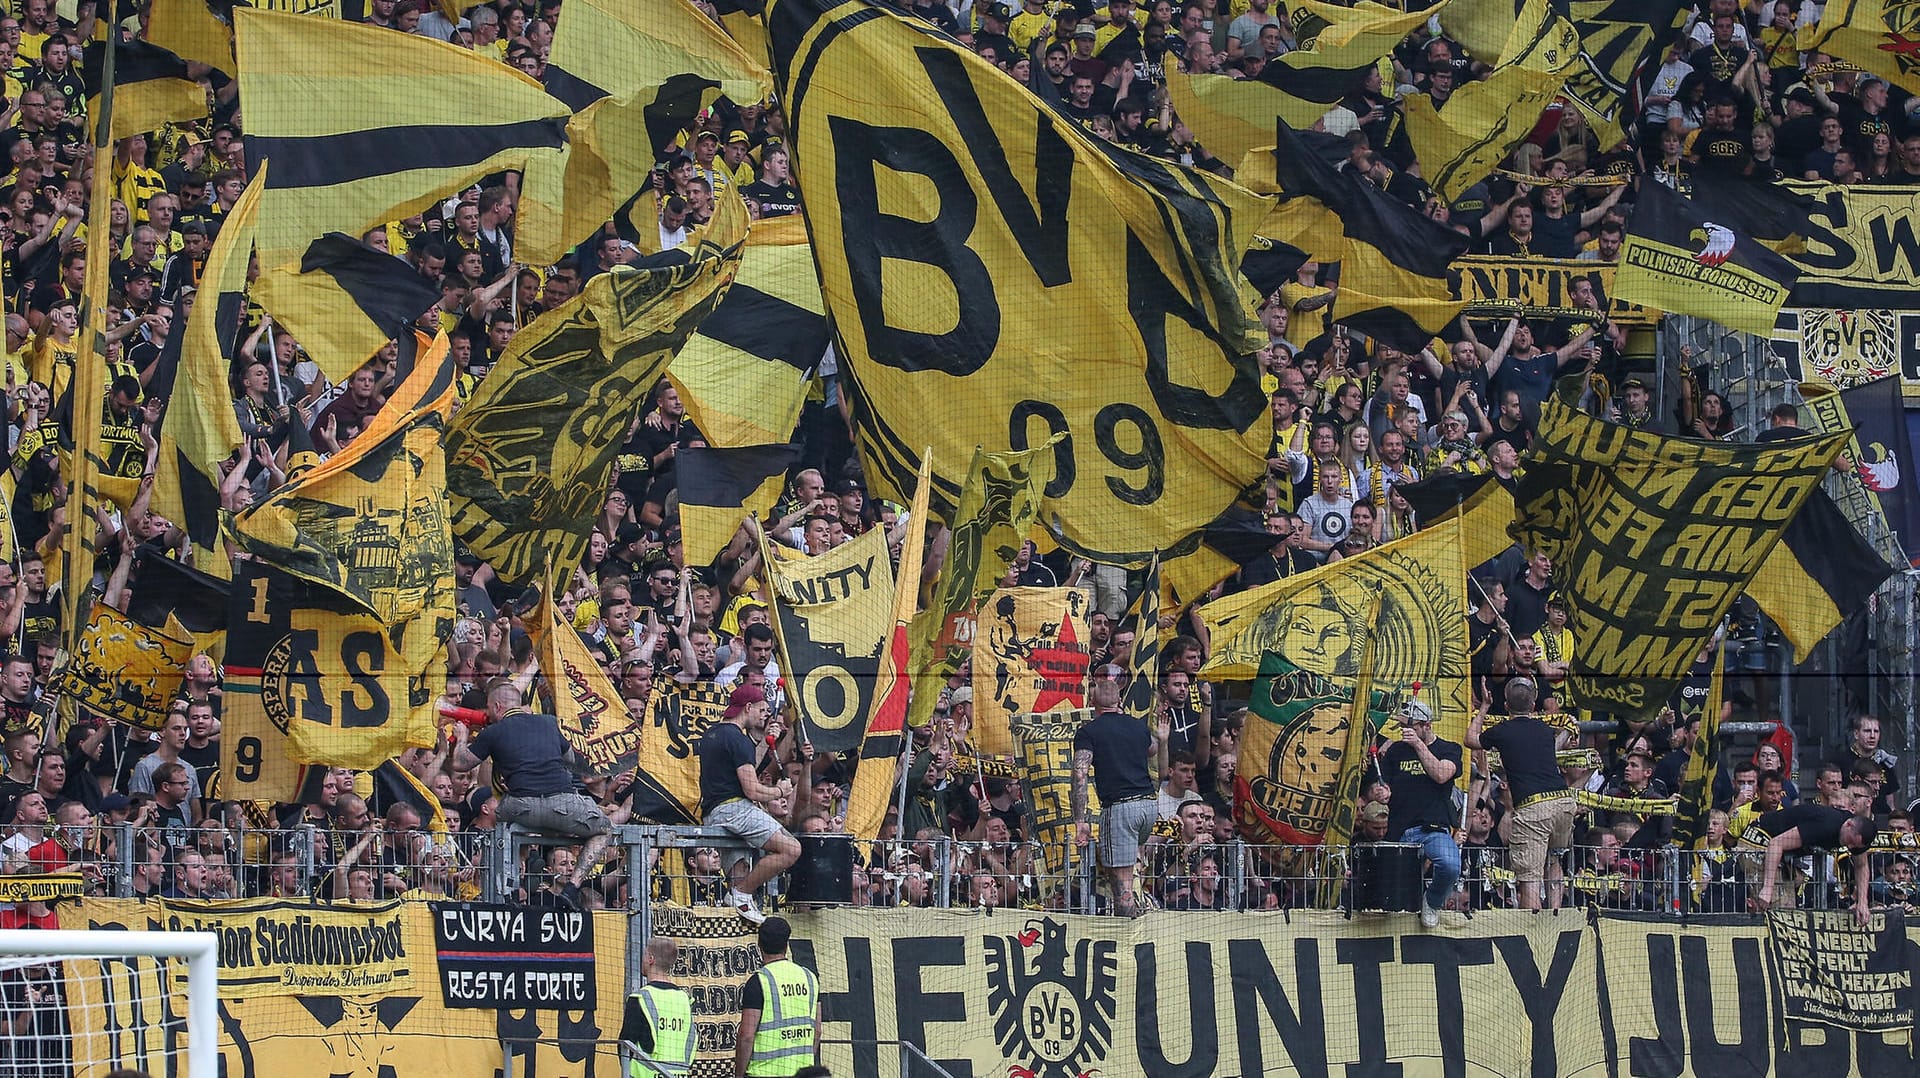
[(49, 980)]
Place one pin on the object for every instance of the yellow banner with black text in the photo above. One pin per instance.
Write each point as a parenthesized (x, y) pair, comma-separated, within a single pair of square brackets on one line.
[(1059, 996), (384, 1017)]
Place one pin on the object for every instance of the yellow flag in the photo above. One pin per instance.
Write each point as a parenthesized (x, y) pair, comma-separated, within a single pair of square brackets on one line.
[(1030, 655), (1881, 36), (125, 671), (529, 453), (192, 31), (89, 391), (957, 217), (363, 126), (744, 375), (315, 665), (881, 748), (199, 428), (593, 717), (637, 75), (1485, 119), (998, 507), (1232, 116), (832, 614)]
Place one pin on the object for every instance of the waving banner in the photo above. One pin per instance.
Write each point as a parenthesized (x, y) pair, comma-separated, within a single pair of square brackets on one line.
[(833, 614), (957, 216), (1653, 538), (1030, 654)]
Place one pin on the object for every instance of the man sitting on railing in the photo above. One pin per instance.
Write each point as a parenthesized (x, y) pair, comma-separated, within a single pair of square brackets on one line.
[(530, 758), (1420, 769)]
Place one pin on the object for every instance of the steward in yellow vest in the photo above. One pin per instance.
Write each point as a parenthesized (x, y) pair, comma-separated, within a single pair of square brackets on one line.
[(779, 1012), (659, 1019)]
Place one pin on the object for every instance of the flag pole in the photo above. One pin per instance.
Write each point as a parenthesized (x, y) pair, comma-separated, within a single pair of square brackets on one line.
[(87, 390)]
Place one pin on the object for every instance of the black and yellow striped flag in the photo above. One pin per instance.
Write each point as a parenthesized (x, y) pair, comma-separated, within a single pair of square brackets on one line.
[(1232, 116), (1485, 119), (200, 31), (150, 88), (1621, 47), (1821, 571), (743, 377), (344, 301), (395, 785), (1190, 568), (1678, 261), (637, 76), (957, 216), (1393, 275), (720, 487), (363, 126), (1703, 762), (199, 428), (528, 454), (1143, 665)]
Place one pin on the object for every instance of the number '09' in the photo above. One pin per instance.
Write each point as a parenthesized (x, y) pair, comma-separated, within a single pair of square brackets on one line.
[(1136, 451)]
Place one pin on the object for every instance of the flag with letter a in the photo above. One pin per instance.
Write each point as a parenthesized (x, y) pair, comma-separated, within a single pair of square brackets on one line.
[(313, 666), (954, 218)]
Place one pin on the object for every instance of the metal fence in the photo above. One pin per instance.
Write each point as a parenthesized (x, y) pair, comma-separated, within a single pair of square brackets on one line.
[(692, 867)]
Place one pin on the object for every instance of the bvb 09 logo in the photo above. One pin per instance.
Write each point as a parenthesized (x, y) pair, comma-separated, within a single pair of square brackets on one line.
[(1053, 1018)]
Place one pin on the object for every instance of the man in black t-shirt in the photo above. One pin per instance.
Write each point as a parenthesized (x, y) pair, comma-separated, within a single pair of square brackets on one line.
[(1114, 747), (1420, 769), (774, 192), (1808, 826), (731, 794), (530, 758), (1543, 807)]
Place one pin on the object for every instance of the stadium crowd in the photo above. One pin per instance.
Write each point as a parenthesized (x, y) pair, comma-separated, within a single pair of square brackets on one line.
[(1353, 420)]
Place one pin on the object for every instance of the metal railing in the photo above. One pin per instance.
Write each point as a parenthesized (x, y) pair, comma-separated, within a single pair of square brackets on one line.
[(692, 866)]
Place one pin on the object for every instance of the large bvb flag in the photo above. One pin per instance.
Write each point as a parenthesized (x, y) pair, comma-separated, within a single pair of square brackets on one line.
[(979, 251), (364, 126), (1678, 261), (1653, 538), (527, 457)]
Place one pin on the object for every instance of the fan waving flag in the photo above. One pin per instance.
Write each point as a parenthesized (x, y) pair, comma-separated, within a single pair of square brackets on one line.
[(719, 488), (982, 255), (1678, 261)]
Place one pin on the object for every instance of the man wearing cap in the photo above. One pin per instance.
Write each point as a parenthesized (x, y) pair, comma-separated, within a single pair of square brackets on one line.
[(1115, 747), (1543, 806), (1371, 823), (991, 21), (1637, 414), (531, 759), (735, 160), (1420, 769), (731, 795)]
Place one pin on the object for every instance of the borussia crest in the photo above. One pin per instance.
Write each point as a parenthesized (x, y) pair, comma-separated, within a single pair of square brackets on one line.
[(1050, 1022)]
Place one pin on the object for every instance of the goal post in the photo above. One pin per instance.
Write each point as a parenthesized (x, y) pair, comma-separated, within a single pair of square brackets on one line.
[(199, 950)]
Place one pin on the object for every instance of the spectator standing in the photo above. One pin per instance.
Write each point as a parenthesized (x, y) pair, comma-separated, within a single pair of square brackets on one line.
[(1114, 748), (1543, 806)]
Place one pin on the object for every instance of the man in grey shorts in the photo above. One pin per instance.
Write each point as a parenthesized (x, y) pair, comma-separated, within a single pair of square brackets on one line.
[(731, 794), (1115, 747), (530, 757)]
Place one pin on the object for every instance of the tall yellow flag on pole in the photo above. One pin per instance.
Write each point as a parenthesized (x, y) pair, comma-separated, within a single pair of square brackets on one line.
[(880, 749)]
